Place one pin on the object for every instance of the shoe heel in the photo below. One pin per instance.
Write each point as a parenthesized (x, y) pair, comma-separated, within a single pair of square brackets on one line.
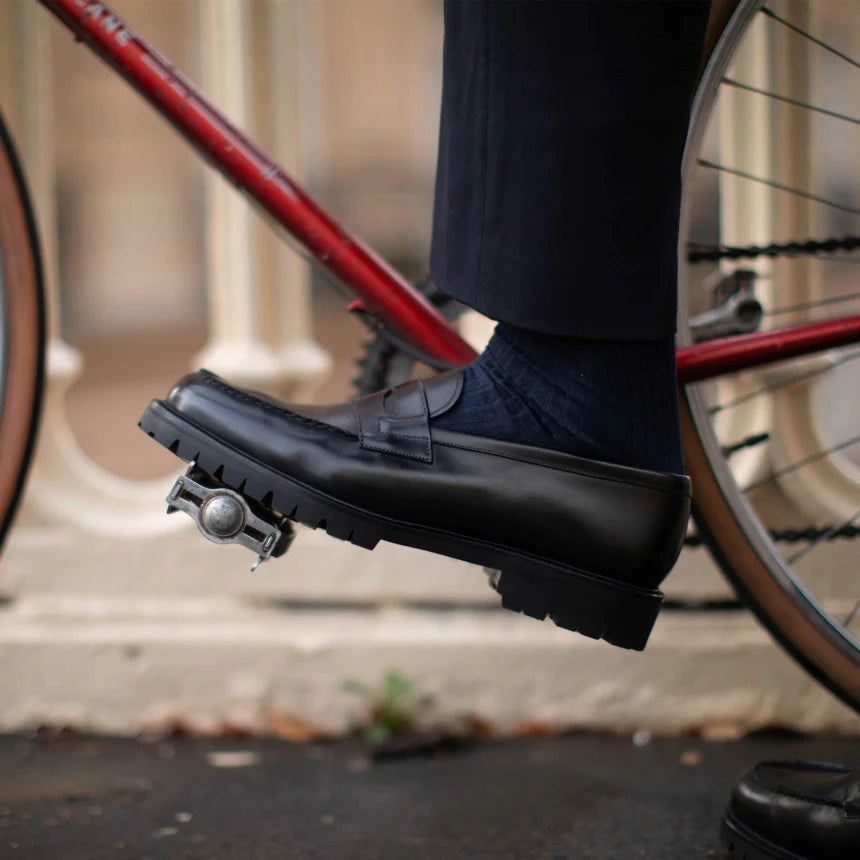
[(592, 605)]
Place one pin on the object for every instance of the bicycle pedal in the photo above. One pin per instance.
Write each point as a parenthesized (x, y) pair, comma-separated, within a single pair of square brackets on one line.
[(224, 516)]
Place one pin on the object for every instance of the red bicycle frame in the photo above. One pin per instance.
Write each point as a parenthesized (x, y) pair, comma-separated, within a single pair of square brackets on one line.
[(389, 298)]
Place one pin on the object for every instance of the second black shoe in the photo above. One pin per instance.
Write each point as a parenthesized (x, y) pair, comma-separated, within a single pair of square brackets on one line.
[(584, 542), (794, 810)]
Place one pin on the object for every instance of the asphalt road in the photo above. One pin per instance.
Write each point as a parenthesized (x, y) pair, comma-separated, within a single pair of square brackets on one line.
[(583, 796)]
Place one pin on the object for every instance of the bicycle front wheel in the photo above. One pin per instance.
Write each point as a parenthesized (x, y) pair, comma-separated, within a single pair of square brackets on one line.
[(22, 331), (774, 453)]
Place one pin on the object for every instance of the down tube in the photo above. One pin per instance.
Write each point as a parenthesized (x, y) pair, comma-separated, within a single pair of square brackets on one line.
[(386, 294)]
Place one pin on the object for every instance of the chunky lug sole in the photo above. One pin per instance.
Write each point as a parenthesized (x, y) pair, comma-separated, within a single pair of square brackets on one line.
[(745, 844), (593, 605)]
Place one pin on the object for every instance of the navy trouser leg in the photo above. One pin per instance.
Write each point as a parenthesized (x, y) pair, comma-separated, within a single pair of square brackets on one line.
[(558, 183)]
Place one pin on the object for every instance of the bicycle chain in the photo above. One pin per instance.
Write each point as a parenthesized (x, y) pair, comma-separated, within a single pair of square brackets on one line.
[(809, 534), (713, 253), (749, 442)]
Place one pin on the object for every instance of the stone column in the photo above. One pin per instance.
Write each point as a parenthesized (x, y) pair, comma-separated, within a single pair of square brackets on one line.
[(236, 347), (286, 39)]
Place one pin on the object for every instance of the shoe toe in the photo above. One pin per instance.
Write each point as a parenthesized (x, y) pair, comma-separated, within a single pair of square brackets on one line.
[(794, 806)]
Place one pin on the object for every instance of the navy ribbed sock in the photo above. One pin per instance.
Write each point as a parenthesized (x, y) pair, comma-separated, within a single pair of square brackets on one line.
[(615, 401)]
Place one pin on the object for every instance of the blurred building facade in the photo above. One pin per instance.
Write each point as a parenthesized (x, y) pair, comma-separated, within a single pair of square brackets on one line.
[(124, 619)]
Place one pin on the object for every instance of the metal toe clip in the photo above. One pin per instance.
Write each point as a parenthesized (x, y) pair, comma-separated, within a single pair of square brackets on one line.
[(224, 516)]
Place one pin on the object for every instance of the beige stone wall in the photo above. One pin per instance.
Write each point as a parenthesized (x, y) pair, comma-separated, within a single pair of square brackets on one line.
[(373, 156), (129, 193)]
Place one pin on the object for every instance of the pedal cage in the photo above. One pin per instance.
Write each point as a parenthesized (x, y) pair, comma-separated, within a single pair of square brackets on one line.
[(224, 516)]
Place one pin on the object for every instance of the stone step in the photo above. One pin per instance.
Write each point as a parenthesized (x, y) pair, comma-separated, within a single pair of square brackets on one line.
[(127, 665)]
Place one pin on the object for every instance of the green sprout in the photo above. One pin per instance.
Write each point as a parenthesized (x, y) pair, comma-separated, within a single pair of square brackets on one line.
[(394, 707)]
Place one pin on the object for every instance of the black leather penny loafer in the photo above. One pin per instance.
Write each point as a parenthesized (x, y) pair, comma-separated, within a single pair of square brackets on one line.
[(584, 542), (795, 810)]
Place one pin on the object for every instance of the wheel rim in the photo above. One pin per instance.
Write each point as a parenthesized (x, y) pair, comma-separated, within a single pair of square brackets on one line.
[(22, 320), (837, 637)]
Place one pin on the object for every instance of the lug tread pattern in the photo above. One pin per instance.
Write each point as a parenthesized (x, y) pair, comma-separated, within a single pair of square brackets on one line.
[(275, 497)]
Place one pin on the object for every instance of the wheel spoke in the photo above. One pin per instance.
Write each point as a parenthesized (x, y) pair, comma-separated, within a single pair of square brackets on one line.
[(825, 536), (847, 622), (832, 258), (790, 309), (778, 185), (812, 458), (777, 97), (809, 36), (769, 389)]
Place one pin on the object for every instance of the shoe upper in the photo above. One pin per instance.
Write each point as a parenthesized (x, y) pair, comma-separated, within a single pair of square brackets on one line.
[(382, 453), (809, 808)]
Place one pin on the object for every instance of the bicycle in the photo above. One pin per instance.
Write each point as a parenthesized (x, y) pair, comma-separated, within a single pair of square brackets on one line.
[(723, 336)]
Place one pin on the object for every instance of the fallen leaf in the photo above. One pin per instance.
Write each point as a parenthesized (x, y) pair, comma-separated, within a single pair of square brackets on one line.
[(290, 730), (725, 731), (691, 758)]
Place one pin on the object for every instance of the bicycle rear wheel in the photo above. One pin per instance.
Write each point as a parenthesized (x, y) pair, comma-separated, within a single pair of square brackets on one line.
[(776, 497), (22, 331)]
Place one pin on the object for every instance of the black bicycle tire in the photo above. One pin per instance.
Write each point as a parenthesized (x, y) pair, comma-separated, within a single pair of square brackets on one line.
[(30, 292)]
